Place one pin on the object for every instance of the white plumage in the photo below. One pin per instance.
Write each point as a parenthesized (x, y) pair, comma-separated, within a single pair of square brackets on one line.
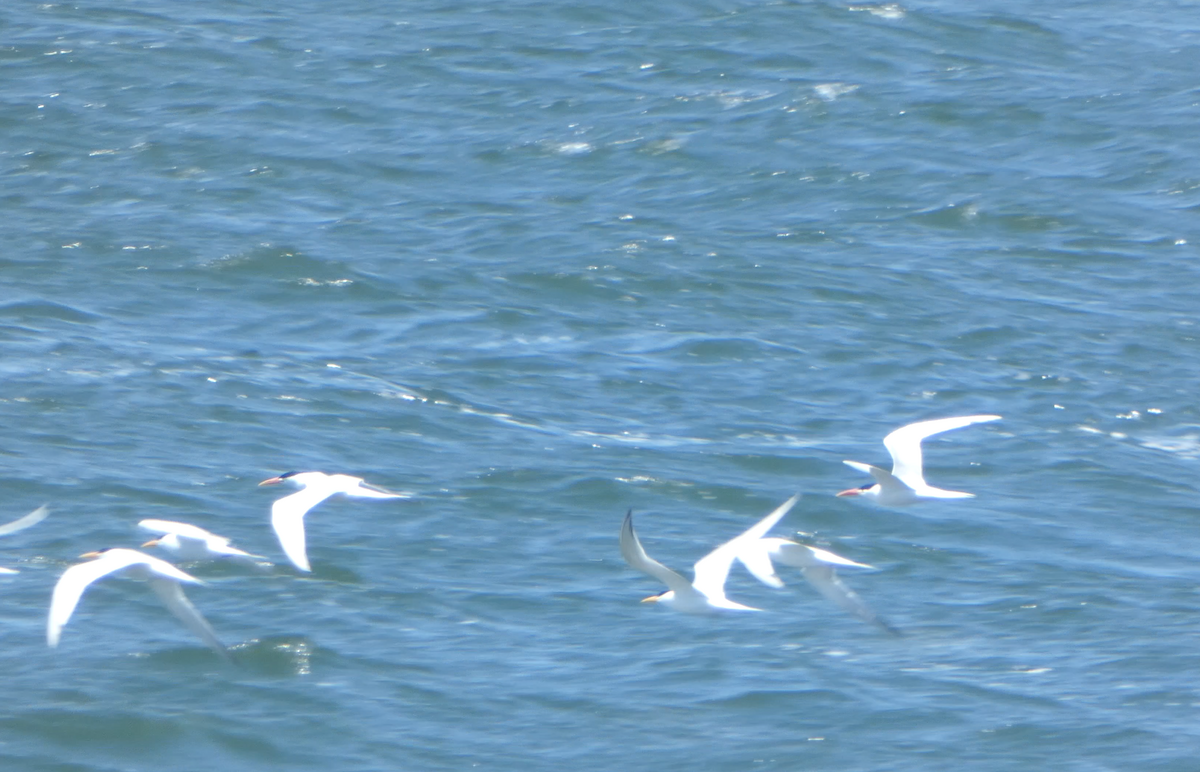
[(819, 568), (165, 579), (905, 484), (190, 542), (706, 592), (287, 513), (20, 524)]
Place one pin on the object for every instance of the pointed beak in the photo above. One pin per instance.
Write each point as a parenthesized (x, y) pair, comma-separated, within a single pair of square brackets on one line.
[(652, 598), (93, 554), (852, 492), (151, 543), (272, 481)]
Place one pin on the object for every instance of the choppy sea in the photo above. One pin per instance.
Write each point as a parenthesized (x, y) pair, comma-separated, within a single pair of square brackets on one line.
[(541, 263)]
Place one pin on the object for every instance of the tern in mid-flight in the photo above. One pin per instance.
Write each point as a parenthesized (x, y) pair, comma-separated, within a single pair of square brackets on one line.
[(818, 566), (706, 592), (190, 542), (905, 484), (165, 579), (20, 524), (287, 513)]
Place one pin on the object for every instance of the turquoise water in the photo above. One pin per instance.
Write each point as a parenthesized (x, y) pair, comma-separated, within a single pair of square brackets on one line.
[(539, 264)]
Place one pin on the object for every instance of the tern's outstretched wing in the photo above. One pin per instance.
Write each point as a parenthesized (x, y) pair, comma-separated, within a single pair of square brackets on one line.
[(904, 444), (713, 569), (235, 554), (21, 523), (170, 592), (757, 558), (74, 581), (882, 476), (287, 518), (825, 579), (364, 490), (77, 578), (635, 555), (184, 530)]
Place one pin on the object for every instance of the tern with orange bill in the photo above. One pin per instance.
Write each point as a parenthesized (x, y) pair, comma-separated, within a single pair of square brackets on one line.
[(905, 484), (164, 579), (191, 542), (287, 513), (706, 592)]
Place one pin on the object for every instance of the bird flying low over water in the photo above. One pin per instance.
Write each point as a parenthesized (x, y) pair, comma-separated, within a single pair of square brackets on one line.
[(20, 524), (287, 513), (706, 592), (905, 484), (190, 542), (818, 566), (165, 579)]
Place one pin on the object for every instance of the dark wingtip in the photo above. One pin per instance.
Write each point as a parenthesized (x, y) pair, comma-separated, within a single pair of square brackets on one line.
[(627, 525)]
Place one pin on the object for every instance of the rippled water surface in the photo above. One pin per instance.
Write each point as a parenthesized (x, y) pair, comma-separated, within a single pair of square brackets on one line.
[(541, 263)]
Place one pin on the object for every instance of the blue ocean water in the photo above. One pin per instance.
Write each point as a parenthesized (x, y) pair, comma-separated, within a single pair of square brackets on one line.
[(539, 264)]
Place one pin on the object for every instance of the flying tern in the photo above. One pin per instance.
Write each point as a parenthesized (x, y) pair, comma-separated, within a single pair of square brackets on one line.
[(818, 566), (165, 579), (706, 592), (20, 524), (190, 542), (905, 484), (287, 513)]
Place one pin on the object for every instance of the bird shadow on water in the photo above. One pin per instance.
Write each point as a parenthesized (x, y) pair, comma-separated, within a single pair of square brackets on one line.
[(191, 658), (333, 573)]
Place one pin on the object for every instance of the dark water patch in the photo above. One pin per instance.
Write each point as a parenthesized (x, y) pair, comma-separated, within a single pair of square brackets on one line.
[(280, 263), (31, 310), (87, 728), (787, 700)]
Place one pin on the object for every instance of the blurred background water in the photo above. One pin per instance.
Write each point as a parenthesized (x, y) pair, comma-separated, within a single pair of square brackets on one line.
[(540, 263)]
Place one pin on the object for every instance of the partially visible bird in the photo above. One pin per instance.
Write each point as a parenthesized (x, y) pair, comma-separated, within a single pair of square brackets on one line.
[(165, 579), (287, 513), (190, 542), (818, 566), (706, 592), (905, 484), (20, 524)]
